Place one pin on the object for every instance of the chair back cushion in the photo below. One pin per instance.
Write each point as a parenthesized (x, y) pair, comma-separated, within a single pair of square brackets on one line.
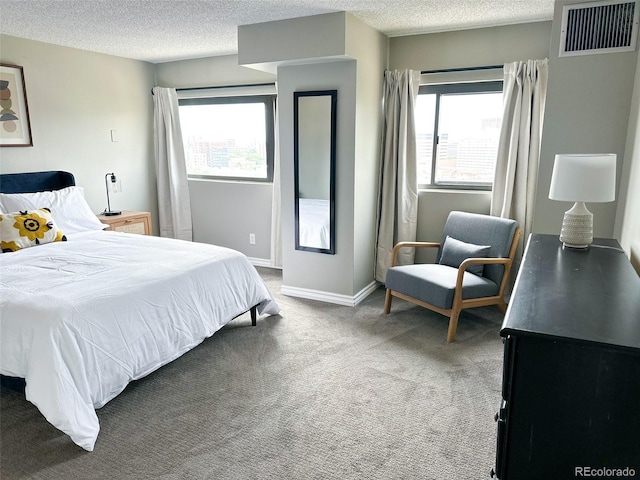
[(482, 230), (453, 252)]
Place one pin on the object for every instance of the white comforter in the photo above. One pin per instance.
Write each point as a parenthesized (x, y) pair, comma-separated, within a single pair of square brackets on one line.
[(80, 319)]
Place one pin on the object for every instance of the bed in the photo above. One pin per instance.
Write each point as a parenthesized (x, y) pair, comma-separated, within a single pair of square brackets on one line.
[(86, 313)]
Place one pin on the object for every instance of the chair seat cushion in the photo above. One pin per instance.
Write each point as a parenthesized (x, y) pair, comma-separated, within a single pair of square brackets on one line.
[(435, 284)]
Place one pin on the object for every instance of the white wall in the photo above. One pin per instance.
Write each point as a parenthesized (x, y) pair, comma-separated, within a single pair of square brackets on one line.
[(225, 213), (487, 46), (293, 40), (208, 72), (628, 220), (328, 52), (587, 111), (75, 99), (308, 270), (471, 48), (462, 49), (371, 49)]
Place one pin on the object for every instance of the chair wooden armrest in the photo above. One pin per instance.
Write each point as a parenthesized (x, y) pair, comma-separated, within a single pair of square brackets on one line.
[(400, 245), (475, 261), (485, 260)]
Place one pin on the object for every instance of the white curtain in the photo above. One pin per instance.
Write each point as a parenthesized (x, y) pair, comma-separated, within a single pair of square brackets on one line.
[(276, 226), (398, 184), (174, 206), (514, 187)]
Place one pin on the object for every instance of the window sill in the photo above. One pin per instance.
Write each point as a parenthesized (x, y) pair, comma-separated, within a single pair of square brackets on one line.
[(456, 191), (223, 180)]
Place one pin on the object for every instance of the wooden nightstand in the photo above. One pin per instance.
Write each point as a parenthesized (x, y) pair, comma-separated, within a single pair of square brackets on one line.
[(129, 222)]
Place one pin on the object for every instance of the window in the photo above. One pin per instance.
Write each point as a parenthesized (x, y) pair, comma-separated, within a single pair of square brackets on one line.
[(465, 120), (229, 138)]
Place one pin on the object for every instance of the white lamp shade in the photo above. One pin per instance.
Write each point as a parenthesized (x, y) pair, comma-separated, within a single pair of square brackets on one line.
[(584, 178)]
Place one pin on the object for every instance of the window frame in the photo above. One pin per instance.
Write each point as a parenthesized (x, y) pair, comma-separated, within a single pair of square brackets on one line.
[(493, 86), (269, 101)]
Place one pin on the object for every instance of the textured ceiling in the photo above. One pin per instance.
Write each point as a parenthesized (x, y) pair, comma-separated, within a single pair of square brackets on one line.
[(165, 30)]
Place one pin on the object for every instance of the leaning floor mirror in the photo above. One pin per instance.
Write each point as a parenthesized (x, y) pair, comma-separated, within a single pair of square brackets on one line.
[(314, 123)]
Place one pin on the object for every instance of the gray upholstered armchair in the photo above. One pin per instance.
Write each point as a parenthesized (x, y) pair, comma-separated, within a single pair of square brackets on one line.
[(472, 268)]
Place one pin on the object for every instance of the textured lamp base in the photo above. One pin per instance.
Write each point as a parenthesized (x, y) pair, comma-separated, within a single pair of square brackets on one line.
[(577, 227)]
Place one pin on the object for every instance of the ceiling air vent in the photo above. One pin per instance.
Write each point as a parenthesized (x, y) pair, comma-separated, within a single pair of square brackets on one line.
[(599, 27)]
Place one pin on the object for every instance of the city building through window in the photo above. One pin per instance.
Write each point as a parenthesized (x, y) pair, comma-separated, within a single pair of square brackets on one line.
[(230, 138), (465, 120)]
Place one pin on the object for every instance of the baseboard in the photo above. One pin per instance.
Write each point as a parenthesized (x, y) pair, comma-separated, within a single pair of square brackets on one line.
[(336, 298), (261, 262)]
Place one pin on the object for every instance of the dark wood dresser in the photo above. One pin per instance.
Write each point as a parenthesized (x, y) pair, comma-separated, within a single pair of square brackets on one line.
[(571, 379)]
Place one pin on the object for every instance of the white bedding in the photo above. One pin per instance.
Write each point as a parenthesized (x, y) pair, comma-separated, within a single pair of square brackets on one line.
[(81, 319), (313, 221)]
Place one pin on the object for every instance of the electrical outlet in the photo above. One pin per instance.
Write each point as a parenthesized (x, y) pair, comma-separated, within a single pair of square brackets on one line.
[(252, 238)]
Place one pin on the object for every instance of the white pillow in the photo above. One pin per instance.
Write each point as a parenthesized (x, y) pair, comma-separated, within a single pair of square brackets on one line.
[(70, 209)]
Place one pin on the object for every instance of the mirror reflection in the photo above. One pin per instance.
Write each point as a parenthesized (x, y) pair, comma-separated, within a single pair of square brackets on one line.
[(314, 164)]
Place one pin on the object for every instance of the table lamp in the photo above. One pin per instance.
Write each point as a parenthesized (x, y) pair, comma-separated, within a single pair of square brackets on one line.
[(108, 212), (582, 178)]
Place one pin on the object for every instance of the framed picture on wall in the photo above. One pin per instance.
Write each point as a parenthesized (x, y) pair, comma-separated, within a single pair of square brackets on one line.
[(15, 128)]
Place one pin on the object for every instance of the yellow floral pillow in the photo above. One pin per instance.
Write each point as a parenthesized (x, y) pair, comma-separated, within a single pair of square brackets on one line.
[(27, 229)]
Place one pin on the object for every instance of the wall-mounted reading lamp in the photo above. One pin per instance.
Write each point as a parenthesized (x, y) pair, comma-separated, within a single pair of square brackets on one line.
[(108, 212)]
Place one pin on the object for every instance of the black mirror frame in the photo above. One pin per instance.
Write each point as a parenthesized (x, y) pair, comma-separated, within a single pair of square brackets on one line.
[(332, 168)]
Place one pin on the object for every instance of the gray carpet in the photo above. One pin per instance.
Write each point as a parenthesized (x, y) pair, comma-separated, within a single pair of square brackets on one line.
[(320, 392)]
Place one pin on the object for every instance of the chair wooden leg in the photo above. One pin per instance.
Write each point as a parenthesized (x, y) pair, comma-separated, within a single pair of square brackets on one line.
[(453, 326), (387, 301), (502, 306)]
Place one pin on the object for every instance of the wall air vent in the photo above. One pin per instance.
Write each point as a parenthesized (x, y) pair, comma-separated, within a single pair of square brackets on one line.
[(599, 27)]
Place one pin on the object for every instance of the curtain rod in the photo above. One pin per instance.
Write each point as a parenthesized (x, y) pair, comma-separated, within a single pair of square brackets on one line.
[(226, 86), (223, 86), (466, 69)]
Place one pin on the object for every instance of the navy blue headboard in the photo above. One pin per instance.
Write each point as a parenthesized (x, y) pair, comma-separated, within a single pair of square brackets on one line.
[(35, 181)]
